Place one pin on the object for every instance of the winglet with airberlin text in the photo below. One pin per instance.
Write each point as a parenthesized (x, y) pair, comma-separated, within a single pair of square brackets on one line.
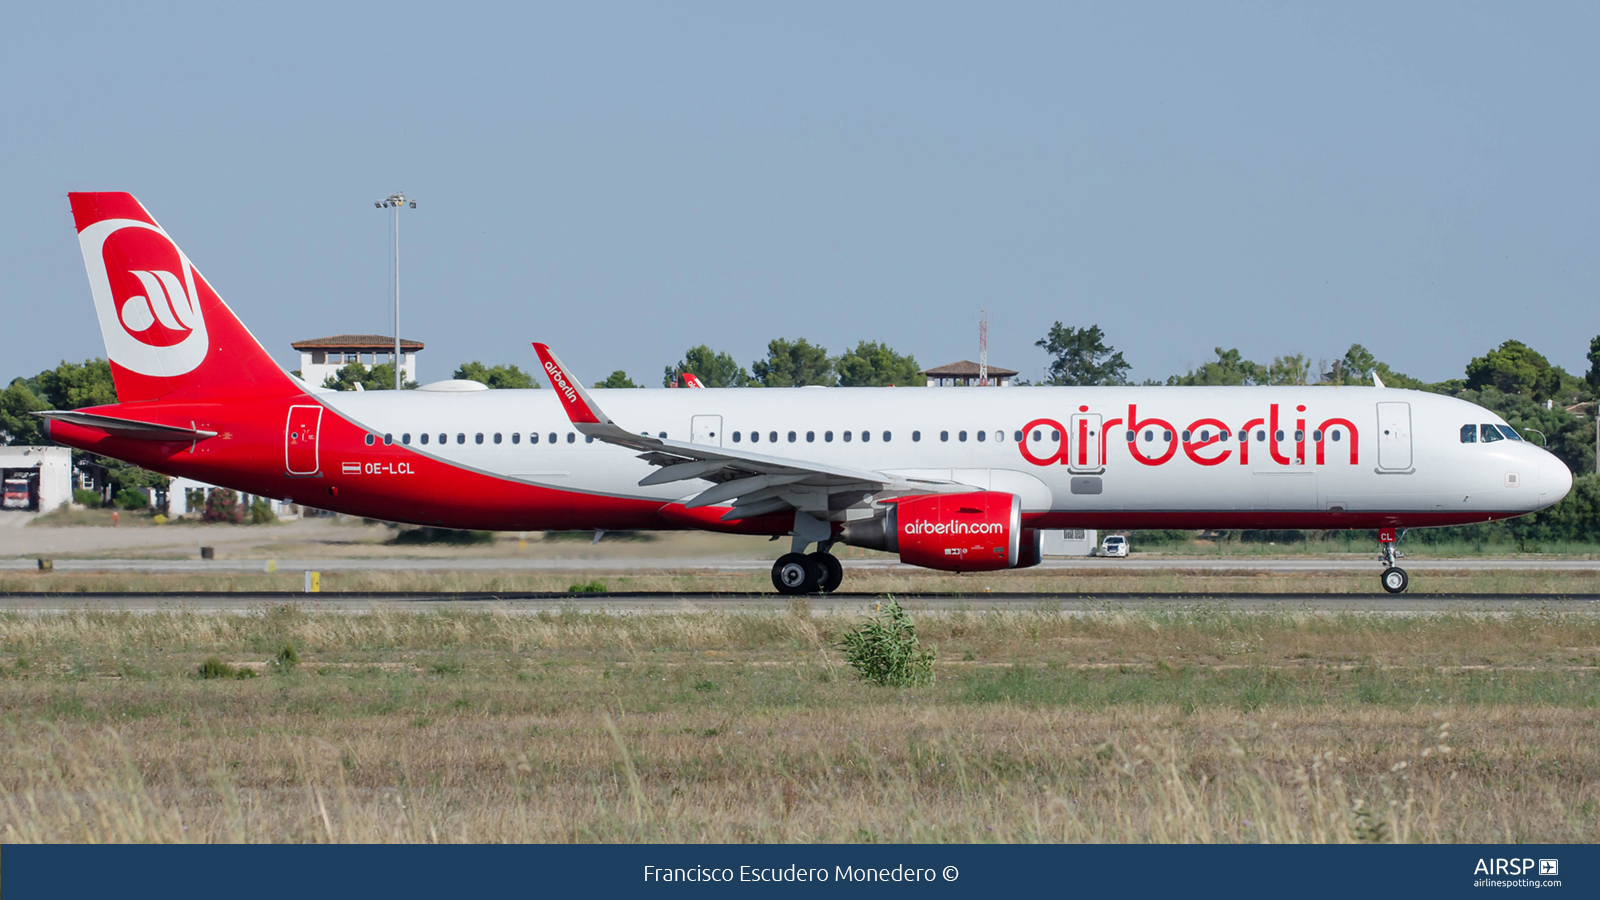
[(580, 407)]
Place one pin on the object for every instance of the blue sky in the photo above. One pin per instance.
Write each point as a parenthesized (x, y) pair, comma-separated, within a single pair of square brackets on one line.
[(625, 180)]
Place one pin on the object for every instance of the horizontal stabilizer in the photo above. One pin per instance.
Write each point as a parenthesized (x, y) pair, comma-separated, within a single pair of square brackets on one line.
[(127, 428)]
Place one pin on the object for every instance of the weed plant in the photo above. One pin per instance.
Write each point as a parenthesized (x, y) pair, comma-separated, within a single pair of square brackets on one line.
[(884, 649)]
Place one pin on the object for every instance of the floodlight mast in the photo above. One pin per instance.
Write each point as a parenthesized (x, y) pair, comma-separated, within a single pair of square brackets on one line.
[(395, 202)]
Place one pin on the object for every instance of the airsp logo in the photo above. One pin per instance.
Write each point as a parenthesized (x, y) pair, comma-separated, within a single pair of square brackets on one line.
[(145, 297)]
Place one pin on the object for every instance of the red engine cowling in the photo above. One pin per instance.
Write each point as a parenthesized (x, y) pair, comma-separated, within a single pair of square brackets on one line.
[(974, 532)]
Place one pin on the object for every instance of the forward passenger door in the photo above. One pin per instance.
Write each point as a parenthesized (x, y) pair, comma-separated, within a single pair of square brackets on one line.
[(1394, 437)]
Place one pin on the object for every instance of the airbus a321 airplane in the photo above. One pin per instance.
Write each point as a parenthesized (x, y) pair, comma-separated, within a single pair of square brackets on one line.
[(958, 480)]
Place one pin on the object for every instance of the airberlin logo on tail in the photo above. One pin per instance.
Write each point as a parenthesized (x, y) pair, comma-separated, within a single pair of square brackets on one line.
[(165, 300), (146, 297)]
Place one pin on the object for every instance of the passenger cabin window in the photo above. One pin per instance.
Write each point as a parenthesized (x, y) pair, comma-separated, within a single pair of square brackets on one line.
[(738, 436), (479, 438), (755, 437), (1491, 433), (370, 440), (791, 437), (772, 437), (572, 438), (961, 435), (866, 436), (847, 436), (461, 438), (887, 436), (916, 437), (944, 435), (827, 437), (811, 437), (497, 437), (533, 437), (388, 439), (983, 435), (516, 437), (552, 437), (405, 438), (444, 438), (424, 437)]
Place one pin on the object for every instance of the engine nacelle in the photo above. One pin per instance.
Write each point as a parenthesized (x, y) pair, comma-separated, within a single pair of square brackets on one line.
[(979, 531)]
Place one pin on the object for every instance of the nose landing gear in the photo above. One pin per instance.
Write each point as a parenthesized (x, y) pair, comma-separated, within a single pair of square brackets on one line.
[(1394, 579)]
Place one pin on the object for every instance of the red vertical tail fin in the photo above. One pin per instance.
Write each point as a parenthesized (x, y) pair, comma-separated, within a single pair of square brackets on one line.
[(168, 334)]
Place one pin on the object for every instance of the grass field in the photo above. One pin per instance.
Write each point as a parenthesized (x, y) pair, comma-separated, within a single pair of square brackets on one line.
[(1194, 723)]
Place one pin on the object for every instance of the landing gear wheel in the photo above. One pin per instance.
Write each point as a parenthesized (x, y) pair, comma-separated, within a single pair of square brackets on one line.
[(829, 572), (1395, 579), (793, 573)]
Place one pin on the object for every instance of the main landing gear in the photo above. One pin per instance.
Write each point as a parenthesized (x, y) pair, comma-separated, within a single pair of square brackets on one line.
[(807, 573), (1394, 579)]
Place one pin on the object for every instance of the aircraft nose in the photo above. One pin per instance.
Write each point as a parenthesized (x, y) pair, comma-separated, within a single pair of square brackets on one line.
[(1555, 480)]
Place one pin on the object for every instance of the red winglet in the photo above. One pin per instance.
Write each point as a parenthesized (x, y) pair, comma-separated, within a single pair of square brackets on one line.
[(689, 380), (574, 399)]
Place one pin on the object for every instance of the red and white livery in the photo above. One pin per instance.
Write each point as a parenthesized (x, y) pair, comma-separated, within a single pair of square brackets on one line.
[(961, 480)]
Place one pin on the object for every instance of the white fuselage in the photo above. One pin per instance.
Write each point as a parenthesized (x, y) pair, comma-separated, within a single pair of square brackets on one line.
[(1074, 467)]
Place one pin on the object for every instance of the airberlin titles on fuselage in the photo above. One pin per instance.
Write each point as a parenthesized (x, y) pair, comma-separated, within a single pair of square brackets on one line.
[(1206, 440)]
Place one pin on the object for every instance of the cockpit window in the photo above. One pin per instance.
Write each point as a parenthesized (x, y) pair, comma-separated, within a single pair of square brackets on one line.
[(1510, 432), (1491, 433), (1469, 434)]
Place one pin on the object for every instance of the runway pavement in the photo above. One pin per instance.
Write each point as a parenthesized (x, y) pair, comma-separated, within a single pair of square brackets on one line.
[(662, 602), (745, 564)]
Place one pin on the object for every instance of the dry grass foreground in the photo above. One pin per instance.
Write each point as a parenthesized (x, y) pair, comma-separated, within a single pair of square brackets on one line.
[(1179, 724)]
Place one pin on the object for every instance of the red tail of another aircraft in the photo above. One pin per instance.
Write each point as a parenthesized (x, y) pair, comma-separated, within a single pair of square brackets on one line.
[(168, 334)]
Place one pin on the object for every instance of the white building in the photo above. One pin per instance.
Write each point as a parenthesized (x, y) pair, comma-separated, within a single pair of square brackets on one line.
[(1070, 542), (185, 495), (48, 471), (323, 357)]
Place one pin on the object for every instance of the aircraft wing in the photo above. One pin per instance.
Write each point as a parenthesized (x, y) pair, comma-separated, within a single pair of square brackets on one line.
[(752, 483)]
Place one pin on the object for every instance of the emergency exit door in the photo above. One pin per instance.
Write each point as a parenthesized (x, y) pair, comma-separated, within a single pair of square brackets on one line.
[(1394, 436), (705, 430), (1085, 445), (300, 440)]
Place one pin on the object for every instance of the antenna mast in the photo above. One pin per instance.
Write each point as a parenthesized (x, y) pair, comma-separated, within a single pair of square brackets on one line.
[(983, 349)]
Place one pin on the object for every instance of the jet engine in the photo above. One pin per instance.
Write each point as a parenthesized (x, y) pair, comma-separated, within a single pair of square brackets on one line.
[(978, 531)]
